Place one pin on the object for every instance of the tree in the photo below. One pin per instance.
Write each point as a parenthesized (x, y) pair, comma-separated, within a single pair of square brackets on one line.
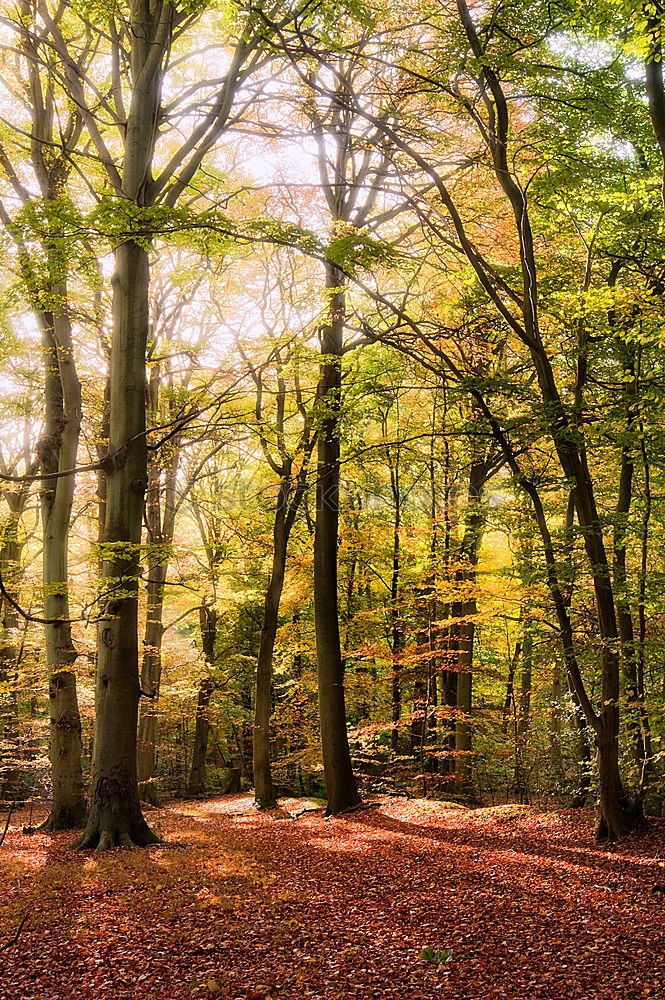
[(13, 540), (488, 112), (141, 40), (350, 180), (288, 458), (44, 218), (172, 359)]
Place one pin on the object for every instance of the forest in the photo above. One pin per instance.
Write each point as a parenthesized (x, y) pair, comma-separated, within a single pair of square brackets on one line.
[(332, 498)]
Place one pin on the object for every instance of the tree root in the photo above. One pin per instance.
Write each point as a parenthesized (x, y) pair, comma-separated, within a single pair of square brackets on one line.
[(356, 807), (106, 842), (83, 842), (265, 804), (109, 840), (61, 821), (631, 818)]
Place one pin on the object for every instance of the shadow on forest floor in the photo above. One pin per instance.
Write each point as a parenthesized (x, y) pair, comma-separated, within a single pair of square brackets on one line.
[(253, 905)]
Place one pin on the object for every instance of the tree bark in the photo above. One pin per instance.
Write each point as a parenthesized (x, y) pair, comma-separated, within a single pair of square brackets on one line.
[(463, 725), (46, 284), (619, 814), (420, 702), (11, 780), (525, 683), (289, 498), (567, 435), (115, 817), (655, 84), (58, 451), (151, 672), (637, 719), (197, 775), (583, 790), (341, 787), (466, 610), (160, 514), (263, 784), (397, 629)]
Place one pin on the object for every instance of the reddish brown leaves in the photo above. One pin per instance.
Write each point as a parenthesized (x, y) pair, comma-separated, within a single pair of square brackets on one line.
[(247, 906)]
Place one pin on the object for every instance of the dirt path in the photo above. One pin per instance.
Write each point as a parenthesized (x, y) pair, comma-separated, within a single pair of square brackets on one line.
[(248, 906)]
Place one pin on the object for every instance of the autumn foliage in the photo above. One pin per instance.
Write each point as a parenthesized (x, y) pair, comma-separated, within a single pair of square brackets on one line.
[(514, 903)]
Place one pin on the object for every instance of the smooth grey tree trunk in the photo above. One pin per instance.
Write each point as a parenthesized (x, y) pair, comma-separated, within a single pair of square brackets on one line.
[(46, 284), (151, 673), (58, 452), (160, 514), (115, 817), (11, 779)]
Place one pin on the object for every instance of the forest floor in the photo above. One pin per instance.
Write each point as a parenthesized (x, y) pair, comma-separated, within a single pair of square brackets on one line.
[(519, 903)]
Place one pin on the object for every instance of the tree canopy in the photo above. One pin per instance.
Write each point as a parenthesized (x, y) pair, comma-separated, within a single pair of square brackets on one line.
[(332, 410)]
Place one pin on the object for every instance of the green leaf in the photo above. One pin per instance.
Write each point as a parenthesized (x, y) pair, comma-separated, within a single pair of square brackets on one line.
[(437, 956)]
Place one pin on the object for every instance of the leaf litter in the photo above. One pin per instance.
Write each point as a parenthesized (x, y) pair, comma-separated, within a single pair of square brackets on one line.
[(405, 899)]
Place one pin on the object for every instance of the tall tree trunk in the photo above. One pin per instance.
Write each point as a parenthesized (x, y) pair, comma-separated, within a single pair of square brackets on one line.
[(196, 784), (583, 790), (554, 720), (463, 725), (618, 814), (151, 673), (351, 179), (448, 698), (58, 451), (160, 513), (466, 610), (341, 787), (420, 700), (263, 785), (397, 629), (655, 84), (524, 715), (197, 775), (11, 780), (448, 681), (102, 455), (115, 816), (653, 799), (637, 719), (525, 683), (509, 705)]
